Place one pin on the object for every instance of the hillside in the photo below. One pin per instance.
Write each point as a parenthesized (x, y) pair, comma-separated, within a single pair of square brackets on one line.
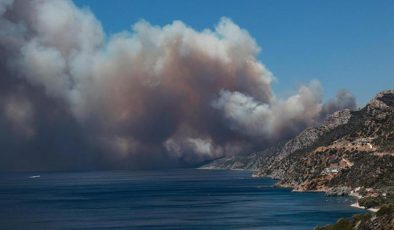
[(268, 157), (351, 153), (356, 153)]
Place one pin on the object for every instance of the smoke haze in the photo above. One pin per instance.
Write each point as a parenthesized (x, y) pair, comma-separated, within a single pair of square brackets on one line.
[(72, 97)]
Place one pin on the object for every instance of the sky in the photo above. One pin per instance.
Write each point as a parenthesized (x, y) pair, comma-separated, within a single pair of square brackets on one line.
[(344, 44), (150, 84)]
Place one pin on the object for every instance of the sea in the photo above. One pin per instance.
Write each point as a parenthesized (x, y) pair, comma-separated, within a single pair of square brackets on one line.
[(166, 199)]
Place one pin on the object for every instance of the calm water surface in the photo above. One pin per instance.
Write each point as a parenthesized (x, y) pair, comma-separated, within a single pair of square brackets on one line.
[(175, 199)]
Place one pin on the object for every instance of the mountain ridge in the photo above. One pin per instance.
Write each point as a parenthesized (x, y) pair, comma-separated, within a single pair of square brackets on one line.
[(350, 153)]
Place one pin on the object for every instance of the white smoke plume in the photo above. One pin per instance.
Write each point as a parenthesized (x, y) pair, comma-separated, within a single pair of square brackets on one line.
[(158, 94)]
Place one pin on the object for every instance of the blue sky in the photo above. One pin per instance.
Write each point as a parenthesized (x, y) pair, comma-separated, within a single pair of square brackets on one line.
[(343, 44)]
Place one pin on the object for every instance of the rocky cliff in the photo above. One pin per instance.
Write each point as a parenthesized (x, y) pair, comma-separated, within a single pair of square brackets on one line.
[(354, 157), (267, 158), (352, 152), (355, 152)]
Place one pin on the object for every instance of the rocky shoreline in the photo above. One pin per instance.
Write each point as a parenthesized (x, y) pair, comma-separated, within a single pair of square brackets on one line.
[(351, 153), (335, 191), (381, 217)]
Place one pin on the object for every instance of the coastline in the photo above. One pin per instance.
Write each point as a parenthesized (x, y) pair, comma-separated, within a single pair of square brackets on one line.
[(356, 195), (325, 190), (254, 175), (356, 205)]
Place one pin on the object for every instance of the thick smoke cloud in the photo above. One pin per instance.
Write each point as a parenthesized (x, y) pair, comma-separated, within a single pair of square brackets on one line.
[(72, 98)]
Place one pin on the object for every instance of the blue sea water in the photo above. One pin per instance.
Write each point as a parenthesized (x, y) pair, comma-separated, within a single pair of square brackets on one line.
[(173, 199)]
